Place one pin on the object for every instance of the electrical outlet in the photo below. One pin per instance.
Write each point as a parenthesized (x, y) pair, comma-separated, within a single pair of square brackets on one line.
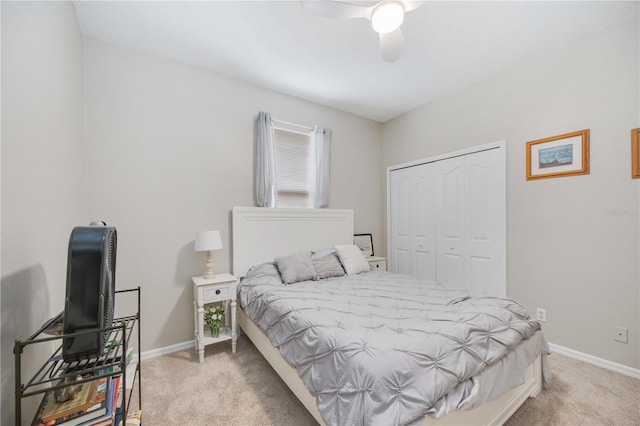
[(541, 314), (621, 334)]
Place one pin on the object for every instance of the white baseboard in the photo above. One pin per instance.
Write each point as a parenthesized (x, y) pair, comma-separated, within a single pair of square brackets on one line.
[(599, 362), (167, 350)]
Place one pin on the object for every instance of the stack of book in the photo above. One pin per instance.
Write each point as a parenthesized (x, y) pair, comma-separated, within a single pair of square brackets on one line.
[(95, 403), (112, 402), (88, 403)]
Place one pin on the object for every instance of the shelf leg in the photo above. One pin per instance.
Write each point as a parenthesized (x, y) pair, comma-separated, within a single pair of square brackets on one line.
[(234, 335), (200, 333)]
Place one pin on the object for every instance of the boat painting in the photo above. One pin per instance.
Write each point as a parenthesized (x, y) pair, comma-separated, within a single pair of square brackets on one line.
[(556, 156)]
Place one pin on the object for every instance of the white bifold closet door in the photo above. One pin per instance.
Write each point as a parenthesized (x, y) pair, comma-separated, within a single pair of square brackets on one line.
[(447, 221), (413, 221)]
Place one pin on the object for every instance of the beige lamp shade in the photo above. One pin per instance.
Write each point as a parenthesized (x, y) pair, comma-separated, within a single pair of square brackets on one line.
[(208, 241)]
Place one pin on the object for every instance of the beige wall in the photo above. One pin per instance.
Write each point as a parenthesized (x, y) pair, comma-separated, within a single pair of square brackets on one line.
[(170, 151), (43, 170), (573, 243)]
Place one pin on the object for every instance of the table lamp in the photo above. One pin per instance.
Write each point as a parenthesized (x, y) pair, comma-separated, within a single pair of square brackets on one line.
[(208, 241)]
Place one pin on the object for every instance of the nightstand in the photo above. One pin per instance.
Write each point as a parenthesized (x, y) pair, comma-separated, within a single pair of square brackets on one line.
[(378, 263), (221, 288)]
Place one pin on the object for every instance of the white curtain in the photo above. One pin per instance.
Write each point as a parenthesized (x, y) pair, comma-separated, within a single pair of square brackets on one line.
[(265, 167), (322, 139)]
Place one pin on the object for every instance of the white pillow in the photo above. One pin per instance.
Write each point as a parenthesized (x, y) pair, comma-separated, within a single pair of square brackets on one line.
[(352, 259)]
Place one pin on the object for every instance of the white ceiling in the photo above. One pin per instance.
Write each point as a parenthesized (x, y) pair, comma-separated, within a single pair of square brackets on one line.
[(282, 46)]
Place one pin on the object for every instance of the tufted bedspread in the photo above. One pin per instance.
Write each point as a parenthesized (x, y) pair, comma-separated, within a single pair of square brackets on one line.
[(385, 349)]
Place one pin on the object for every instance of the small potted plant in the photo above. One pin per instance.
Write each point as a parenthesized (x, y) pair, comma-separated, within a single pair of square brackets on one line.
[(213, 317)]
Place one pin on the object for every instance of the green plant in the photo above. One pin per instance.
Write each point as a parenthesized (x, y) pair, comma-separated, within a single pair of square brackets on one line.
[(213, 316)]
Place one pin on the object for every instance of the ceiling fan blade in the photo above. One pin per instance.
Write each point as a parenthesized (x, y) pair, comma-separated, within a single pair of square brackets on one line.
[(411, 4), (339, 9), (392, 45)]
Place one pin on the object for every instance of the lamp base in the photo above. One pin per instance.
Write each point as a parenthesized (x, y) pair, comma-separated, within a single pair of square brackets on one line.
[(208, 266)]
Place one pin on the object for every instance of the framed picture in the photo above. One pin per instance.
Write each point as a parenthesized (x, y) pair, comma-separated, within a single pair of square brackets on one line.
[(635, 153), (557, 156), (364, 243)]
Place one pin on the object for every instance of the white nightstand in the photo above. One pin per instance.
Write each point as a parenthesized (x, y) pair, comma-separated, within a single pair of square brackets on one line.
[(221, 288), (378, 263)]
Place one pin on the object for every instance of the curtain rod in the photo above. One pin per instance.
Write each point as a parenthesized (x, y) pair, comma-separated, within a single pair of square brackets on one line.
[(292, 124)]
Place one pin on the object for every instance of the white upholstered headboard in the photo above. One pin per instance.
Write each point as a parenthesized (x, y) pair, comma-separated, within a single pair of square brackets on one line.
[(261, 234)]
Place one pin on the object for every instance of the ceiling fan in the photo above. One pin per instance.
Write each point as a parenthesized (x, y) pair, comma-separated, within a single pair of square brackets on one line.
[(386, 16)]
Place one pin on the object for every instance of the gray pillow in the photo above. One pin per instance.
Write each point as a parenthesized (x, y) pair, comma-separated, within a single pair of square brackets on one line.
[(264, 273), (296, 267), (327, 264)]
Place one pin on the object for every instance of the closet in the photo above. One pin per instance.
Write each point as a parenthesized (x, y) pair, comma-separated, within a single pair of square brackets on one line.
[(447, 219)]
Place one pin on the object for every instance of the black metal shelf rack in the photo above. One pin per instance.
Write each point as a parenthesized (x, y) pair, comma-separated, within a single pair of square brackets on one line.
[(112, 363)]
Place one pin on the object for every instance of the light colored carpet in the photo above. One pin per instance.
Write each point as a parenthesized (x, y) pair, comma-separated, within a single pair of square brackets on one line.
[(243, 390)]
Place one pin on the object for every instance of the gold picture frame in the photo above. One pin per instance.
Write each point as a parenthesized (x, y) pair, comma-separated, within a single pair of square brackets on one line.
[(558, 156), (635, 153)]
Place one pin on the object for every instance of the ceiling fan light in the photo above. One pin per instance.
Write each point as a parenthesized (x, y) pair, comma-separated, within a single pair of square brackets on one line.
[(387, 17)]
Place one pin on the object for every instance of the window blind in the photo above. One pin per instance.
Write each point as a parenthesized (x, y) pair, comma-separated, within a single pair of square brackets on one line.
[(294, 174)]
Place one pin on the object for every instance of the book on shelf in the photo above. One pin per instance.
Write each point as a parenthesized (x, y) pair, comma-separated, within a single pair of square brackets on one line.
[(129, 355), (108, 421), (111, 403), (133, 419), (90, 402), (115, 368), (105, 364), (117, 410), (116, 390), (131, 374), (112, 344)]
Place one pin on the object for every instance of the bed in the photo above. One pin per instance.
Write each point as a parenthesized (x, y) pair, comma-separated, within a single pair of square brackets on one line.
[(388, 387)]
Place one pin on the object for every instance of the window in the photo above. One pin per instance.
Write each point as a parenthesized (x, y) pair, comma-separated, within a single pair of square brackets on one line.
[(292, 164), (295, 165)]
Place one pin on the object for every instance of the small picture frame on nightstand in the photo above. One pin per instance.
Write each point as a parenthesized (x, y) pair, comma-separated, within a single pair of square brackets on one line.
[(364, 243)]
